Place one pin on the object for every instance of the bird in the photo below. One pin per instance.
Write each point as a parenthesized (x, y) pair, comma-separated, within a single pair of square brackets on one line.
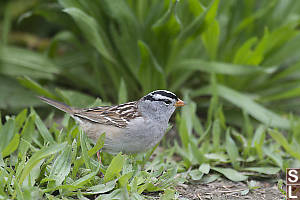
[(129, 128)]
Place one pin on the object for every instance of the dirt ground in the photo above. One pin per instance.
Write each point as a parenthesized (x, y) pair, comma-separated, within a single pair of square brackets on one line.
[(225, 189)]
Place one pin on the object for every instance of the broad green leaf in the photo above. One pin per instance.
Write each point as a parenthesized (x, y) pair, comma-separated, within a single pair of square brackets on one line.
[(212, 11), (197, 153), (38, 156), (36, 87), (216, 135), (196, 174), (199, 24), (264, 170), (231, 149), (219, 157), (98, 146), (183, 132), (10, 96), (86, 179), (27, 131), (150, 73), (12, 146), (204, 168), (217, 67), (61, 166), (20, 119), (258, 141), (165, 17), (124, 179), (122, 92), (280, 139), (168, 194), (210, 178), (291, 93), (75, 98), (231, 174), (114, 168), (43, 129), (19, 62), (86, 158), (6, 134), (210, 38), (92, 31), (243, 55), (91, 152), (101, 188), (254, 109)]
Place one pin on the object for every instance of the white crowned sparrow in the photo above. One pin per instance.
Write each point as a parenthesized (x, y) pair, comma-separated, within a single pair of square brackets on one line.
[(130, 127)]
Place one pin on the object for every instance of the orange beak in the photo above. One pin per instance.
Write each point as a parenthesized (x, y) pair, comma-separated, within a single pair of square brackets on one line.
[(179, 103)]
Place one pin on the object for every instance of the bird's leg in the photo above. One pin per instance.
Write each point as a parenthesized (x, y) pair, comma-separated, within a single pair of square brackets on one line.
[(99, 156), (100, 162)]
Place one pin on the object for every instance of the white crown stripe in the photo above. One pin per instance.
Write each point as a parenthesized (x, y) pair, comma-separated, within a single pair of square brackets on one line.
[(159, 96)]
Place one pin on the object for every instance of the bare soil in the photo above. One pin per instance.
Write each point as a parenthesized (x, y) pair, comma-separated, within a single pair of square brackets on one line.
[(225, 189)]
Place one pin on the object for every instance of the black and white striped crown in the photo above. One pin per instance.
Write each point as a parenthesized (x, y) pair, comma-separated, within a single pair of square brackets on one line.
[(161, 95)]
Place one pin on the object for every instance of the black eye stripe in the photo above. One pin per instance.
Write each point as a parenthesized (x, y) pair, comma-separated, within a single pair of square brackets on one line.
[(167, 101)]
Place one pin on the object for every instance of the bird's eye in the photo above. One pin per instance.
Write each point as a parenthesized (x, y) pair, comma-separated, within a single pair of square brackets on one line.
[(167, 102)]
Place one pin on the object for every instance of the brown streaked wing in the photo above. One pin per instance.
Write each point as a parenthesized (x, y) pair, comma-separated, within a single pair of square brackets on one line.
[(118, 116)]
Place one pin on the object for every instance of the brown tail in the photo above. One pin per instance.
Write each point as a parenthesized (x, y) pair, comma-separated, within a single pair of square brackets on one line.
[(58, 105)]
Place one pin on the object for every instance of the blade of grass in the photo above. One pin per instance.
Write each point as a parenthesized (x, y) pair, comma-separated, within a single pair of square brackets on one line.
[(38, 156)]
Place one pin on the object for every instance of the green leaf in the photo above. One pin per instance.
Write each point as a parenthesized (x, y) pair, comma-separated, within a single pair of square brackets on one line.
[(98, 146), (254, 109), (91, 152), (258, 141), (101, 188), (264, 170), (10, 96), (36, 87), (20, 119), (168, 194), (210, 39), (61, 166), (210, 178), (124, 179), (243, 55), (76, 98), (231, 174), (6, 134), (114, 168), (92, 31), (165, 17), (12, 146), (122, 92), (196, 174), (27, 131), (280, 139), (150, 73), (275, 157), (204, 168), (43, 129), (183, 132), (217, 67), (31, 63), (197, 153), (86, 179), (85, 156), (216, 133), (38, 156), (232, 149)]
